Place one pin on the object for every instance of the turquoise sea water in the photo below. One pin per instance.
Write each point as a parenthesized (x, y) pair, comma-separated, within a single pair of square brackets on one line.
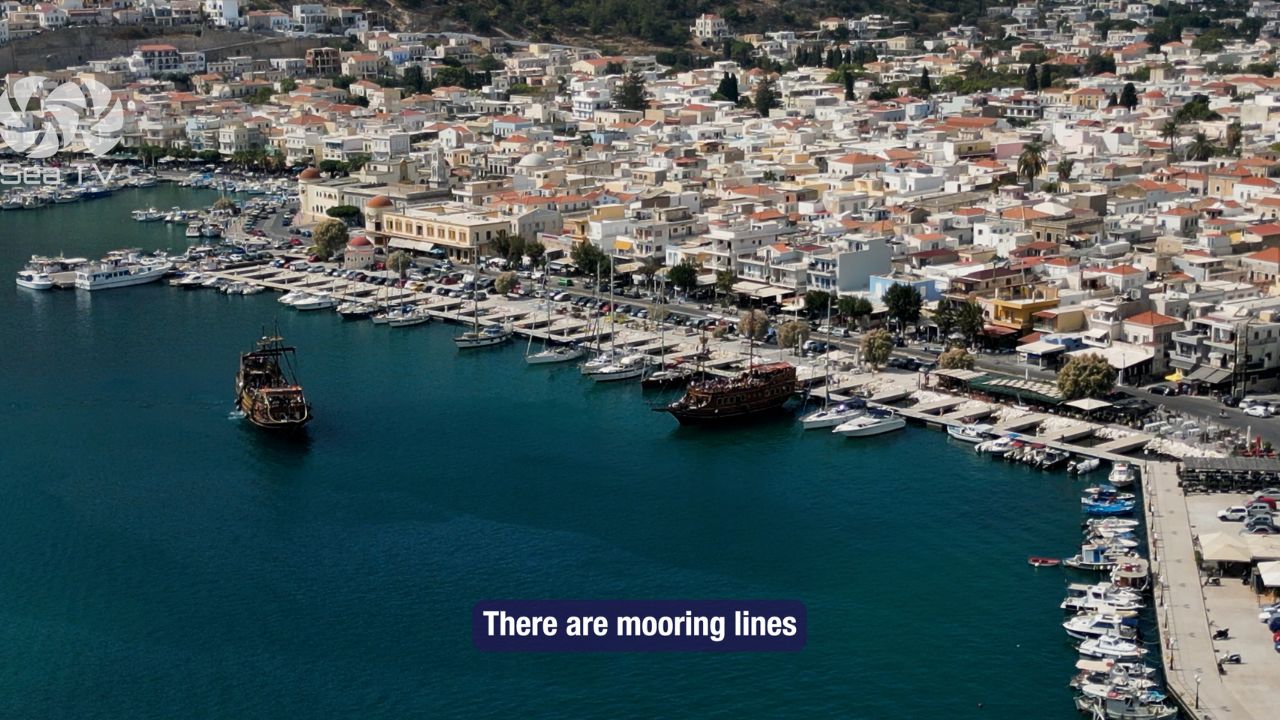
[(163, 559)]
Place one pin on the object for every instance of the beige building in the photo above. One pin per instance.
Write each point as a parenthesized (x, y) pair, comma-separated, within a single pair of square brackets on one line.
[(463, 233)]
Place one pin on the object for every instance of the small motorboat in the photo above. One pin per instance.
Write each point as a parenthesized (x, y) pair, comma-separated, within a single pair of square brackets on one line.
[(833, 415), (972, 433), (1084, 467), (1036, 561), (1122, 475)]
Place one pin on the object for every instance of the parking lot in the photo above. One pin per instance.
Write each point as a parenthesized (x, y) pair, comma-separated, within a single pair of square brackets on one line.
[(1235, 606)]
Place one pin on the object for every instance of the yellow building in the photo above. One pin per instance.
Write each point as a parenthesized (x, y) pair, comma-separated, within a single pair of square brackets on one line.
[(1016, 310)]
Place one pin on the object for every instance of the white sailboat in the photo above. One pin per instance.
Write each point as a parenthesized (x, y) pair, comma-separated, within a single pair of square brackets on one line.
[(829, 415), (628, 368), (550, 353), (478, 338), (409, 317)]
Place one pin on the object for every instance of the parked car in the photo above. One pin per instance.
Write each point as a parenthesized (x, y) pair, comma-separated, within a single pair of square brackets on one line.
[(1165, 390), (1258, 411), (1235, 513)]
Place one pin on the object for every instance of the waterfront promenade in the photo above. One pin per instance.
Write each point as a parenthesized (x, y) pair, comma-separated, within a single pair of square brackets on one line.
[(1190, 658)]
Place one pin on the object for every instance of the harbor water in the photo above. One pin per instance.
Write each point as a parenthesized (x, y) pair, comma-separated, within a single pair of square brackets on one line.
[(165, 559)]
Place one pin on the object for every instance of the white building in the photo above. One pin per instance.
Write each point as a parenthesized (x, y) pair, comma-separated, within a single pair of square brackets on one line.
[(224, 13), (710, 27)]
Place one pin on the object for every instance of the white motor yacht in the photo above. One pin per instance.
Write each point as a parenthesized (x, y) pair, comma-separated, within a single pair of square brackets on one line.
[(997, 447), (1112, 648), (121, 269), (874, 422), (292, 297), (1122, 475), (1103, 597), (319, 301), (1089, 625)]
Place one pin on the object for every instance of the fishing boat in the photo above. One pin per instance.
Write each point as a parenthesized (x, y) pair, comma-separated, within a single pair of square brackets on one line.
[(1130, 674), (1112, 648), (833, 415), (1035, 561), (876, 421), (1092, 556), (971, 433), (1107, 507), (1094, 624), (759, 390), (628, 368), (1109, 701), (1051, 459), (193, 230), (1122, 475), (410, 317), (148, 215), (267, 390), (1132, 572)]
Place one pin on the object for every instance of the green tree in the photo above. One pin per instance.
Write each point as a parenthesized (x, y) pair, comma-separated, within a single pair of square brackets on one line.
[(1031, 162), (969, 320), (848, 86), (414, 79), (1129, 96), (1031, 82), (753, 325), (877, 346), (1169, 131), (925, 85), (1201, 147), (728, 88), (816, 302), (1046, 76), (589, 258), (288, 85), (347, 213), (505, 283), (632, 94), (766, 97), (536, 252), (725, 280), (328, 238), (224, 203), (955, 359), (904, 303), (684, 275), (792, 334), (855, 310), (1086, 376), (399, 263)]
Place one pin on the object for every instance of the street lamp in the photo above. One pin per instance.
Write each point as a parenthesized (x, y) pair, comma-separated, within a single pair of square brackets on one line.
[(1198, 676)]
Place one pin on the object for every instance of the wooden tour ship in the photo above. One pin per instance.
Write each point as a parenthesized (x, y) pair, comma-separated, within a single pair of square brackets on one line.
[(267, 390), (759, 389)]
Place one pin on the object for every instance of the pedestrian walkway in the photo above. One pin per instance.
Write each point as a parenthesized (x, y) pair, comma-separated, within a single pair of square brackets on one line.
[(1190, 661)]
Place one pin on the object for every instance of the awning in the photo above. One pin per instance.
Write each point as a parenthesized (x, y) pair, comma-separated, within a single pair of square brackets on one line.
[(1270, 573), (626, 268), (706, 279), (1220, 547), (1175, 377), (998, 330), (1210, 375), (1089, 404), (1041, 347), (406, 244)]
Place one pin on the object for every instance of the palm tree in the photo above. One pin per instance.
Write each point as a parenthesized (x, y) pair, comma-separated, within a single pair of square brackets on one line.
[(1235, 135), (1031, 162), (1201, 148), (1065, 166), (1169, 131)]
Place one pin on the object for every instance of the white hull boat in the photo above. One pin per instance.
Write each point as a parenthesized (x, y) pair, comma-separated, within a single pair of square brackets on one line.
[(628, 368), (997, 447), (970, 433), (1110, 648), (872, 423), (1122, 475), (831, 416), (1089, 625), (315, 302), (416, 316), (119, 274), (488, 337), (34, 280), (562, 353)]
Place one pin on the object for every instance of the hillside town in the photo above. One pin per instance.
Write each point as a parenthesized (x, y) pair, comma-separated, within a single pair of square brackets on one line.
[(1091, 183)]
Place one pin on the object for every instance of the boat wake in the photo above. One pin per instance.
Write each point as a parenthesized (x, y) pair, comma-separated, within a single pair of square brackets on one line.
[(235, 415)]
